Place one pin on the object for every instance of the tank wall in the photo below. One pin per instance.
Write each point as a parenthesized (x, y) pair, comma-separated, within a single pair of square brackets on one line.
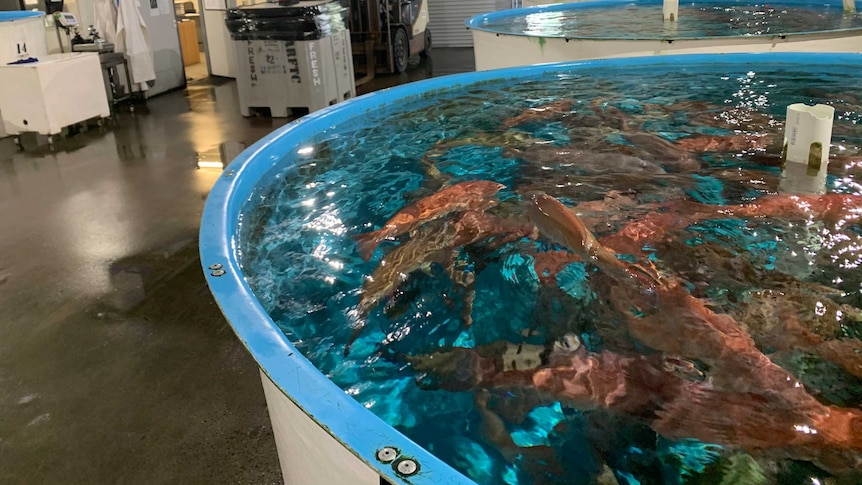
[(494, 51), (309, 455), (536, 3)]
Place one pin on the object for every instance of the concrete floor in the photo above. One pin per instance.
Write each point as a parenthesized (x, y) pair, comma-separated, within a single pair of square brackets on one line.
[(115, 363)]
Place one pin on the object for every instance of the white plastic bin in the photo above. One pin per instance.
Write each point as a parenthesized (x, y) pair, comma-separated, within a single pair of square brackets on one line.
[(290, 57), (22, 35), (58, 91)]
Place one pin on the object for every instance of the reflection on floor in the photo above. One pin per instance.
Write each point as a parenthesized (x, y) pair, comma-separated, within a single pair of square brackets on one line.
[(198, 71), (115, 363)]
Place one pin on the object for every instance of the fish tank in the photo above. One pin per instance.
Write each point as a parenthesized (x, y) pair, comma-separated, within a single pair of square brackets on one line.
[(605, 271), (620, 28)]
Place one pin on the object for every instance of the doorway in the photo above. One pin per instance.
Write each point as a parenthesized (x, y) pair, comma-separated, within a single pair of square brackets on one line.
[(191, 31)]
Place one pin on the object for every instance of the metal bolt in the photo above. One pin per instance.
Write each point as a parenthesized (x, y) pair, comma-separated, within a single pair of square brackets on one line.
[(218, 272), (229, 173), (216, 266), (407, 467), (387, 455)]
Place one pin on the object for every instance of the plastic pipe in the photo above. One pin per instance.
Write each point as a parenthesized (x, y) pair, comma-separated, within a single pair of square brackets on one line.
[(670, 10), (807, 136)]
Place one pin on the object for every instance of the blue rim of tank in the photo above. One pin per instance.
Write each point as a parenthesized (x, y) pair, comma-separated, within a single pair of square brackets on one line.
[(9, 16), (478, 22), (356, 427)]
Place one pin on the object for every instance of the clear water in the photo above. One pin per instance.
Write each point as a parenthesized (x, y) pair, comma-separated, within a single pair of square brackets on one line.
[(303, 265), (643, 20)]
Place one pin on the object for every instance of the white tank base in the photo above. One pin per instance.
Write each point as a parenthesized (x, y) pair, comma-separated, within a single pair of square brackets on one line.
[(307, 453), (494, 51), (537, 3)]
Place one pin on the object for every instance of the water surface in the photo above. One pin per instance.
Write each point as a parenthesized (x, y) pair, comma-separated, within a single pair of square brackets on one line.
[(643, 20), (618, 147)]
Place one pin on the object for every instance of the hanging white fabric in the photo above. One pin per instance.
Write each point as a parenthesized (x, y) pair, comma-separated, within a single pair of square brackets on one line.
[(105, 15), (133, 39)]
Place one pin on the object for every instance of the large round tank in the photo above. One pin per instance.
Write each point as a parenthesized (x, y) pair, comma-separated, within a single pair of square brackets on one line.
[(601, 271), (618, 28)]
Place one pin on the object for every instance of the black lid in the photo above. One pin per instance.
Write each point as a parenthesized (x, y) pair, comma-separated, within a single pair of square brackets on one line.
[(307, 20)]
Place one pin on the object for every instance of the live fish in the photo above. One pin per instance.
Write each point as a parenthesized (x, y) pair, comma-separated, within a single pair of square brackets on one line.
[(562, 226), (436, 242), (475, 195)]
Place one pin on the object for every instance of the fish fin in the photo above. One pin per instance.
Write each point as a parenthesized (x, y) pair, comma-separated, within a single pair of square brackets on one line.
[(367, 242), (356, 333), (467, 301), (465, 279), (360, 321)]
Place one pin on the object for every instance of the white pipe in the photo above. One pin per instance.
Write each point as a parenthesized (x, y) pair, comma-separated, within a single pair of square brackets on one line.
[(669, 28), (807, 136), (798, 178), (670, 10)]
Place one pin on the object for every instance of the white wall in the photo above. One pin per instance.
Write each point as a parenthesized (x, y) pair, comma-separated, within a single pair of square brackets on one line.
[(220, 53)]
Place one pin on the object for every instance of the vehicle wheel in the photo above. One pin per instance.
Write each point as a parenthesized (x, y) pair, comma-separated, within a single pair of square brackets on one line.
[(400, 50), (427, 50)]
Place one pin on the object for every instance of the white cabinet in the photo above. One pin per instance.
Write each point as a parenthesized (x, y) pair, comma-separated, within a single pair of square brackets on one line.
[(58, 91)]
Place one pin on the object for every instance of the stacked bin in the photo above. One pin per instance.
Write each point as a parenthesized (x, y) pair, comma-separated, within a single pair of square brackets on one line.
[(290, 57), (22, 35)]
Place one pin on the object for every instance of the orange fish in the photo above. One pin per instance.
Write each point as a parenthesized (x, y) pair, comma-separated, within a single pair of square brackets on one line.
[(432, 243), (562, 226), (733, 143), (475, 195), (545, 112)]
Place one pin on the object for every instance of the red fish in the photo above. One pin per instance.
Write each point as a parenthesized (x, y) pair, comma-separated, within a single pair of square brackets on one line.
[(782, 419), (545, 112), (433, 243), (562, 226), (732, 143), (832, 208), (475, 195)]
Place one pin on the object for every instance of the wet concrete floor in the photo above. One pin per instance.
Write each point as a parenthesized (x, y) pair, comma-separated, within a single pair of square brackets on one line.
[(115, 363)]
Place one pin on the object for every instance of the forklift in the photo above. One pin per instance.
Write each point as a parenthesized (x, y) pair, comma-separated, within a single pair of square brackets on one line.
[(385, 33)]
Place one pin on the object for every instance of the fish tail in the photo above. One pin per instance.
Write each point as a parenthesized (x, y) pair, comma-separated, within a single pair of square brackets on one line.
[(731, 419), (367, 242), (394, 356), (845, 353)]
